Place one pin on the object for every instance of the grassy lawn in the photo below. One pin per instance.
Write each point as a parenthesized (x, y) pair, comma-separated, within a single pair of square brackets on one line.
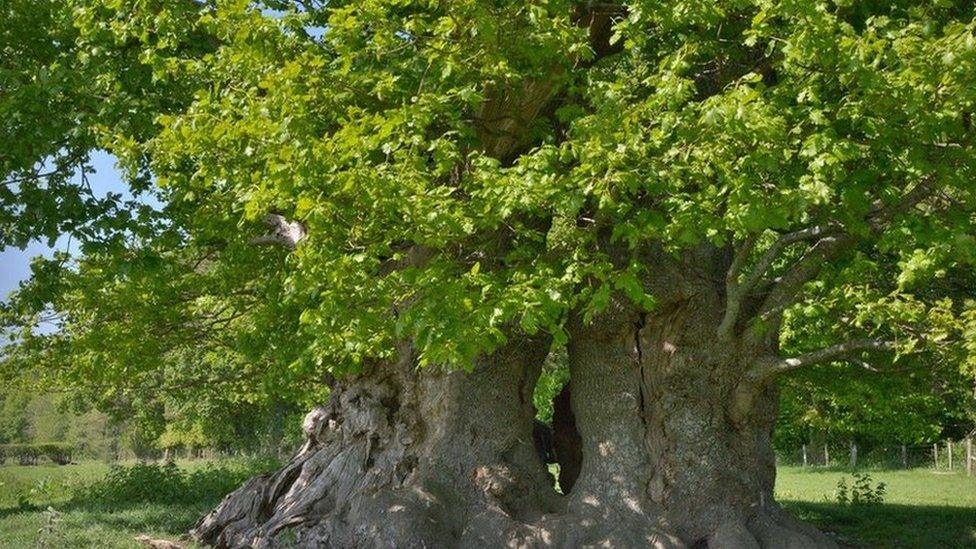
[(101, 527), (78, 523), (922, 508), (74, 525)]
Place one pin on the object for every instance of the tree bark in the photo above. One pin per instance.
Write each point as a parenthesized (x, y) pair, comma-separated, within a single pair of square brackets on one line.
[(402, 457), (666, 446), (663, 439)]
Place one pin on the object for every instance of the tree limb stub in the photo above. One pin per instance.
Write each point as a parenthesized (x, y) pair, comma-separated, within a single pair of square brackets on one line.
[(284, 233)]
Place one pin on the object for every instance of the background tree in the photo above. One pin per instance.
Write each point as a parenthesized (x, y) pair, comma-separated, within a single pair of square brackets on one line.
[(836, 405), (919, 399), (670, 191)]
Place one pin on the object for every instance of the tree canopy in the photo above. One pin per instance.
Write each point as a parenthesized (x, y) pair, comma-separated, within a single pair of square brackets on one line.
[(461, 171)]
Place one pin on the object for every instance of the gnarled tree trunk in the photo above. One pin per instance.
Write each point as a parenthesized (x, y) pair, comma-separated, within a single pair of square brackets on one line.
[(664, 448), (404, 457), (665, 442)]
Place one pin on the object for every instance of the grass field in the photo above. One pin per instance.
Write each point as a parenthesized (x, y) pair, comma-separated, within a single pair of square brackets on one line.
[(922, 508), (28, 495), (74, 525)]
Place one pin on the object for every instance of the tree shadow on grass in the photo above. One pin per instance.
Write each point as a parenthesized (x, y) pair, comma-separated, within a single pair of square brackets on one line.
[(884, 525), (891, 525)]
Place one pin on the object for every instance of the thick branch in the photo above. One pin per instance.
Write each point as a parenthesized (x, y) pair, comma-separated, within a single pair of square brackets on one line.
[(766, 369), (507, 114)]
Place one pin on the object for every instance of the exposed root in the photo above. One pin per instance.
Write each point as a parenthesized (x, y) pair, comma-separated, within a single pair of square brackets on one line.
[(769, 529)]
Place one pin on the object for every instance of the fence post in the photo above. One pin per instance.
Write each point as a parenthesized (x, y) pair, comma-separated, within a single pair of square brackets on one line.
[(853, 455), (826, 456), (904, 457), (804, 455), (949, 453), (935, 454), (969, 457)]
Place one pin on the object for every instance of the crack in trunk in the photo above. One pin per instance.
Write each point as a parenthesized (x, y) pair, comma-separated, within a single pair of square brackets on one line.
[(639, 352)]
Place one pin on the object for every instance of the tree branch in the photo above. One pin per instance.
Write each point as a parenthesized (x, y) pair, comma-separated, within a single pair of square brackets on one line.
[(766, 369), (807, 268), (810, 233), (882, 214), (832, 240), (736, 292), (741, 257), (733, 294)]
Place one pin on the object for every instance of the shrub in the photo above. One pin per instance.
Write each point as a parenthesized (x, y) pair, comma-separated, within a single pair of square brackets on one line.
[(167, 483), (25, 454), (57, 452), (860, 491), (29, 454), (143, 482)]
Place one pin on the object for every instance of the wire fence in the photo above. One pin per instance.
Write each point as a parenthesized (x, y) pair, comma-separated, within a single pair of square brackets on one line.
[(947, 455)]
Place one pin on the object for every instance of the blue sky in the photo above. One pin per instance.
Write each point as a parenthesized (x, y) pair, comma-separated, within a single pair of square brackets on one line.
[(15, 263)]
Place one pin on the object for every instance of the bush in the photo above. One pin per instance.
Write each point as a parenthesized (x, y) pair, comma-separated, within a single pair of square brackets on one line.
[(142, 482), (25, 454), (57, 452), (167, 483), (29, 454)]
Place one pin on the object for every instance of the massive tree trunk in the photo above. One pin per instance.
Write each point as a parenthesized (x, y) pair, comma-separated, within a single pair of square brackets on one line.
[(676, 434), (665, 442), (404, 457)]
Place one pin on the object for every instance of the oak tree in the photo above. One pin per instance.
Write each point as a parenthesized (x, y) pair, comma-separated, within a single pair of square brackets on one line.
[(414, 201)]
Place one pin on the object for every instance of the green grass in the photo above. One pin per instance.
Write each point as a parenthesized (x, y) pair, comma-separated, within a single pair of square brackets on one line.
[(77, 520), (922, 508), (76, 525), (98, 527), (48, 482)]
